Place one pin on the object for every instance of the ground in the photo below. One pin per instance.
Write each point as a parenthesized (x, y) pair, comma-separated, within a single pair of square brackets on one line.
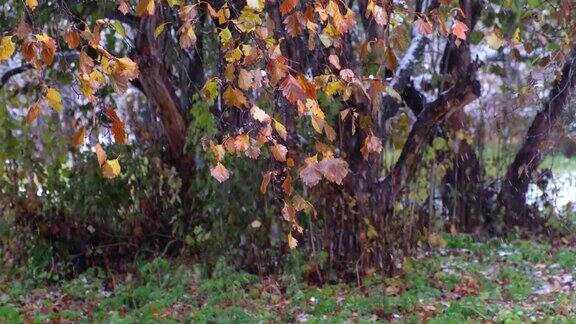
[(459, 280)]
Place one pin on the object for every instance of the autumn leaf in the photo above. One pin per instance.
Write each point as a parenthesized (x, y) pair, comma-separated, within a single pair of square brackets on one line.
[(210, 89), (265, 181), (292, 242), (277, 69), (372, 144), (123, 7), (48, 48), (310, 174), (54, 99), (423, 26), (259, 114), (281, 130), (279, 152), (122, 71), (78, 137), (459, 29), (32, 4), (111, 169), (295, 24), (333, 169), (234, 97), (118, 129), (244, 79), (33, 113), (187, 35), (220, 173), (71, 37), (287, 5), (335, 61), (7, 48), (100, 154), (145, 8), (292, 90), (494, 39), (287, 184)]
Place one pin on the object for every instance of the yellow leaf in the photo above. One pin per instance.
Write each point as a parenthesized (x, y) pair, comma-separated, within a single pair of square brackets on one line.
[(111, 169), (494, 39), (54, 99), (281, 130), (7, 48), (100, 154), (32, 4), (145, 8), (33, 113), (210, 89), (292, 242)]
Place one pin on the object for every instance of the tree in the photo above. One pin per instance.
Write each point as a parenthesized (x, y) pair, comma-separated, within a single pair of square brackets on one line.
[(315, 88)]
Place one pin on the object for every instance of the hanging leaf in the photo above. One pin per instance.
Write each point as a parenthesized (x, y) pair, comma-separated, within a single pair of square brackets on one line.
[(78, 137), (54, 99), (234, 97), (7, 48), (265, 181), (279, 152), (281, 130), (292, 242), (292, 90), (33, 113), (333, 169), (423, 26), (287, 5), (310, 174), (118, 129), (32, 4), (220, 173), (145, 8), (100, 154), (459, 29), (111, 169)]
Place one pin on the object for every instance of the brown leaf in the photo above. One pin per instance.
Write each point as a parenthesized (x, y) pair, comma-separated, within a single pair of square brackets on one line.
[(234, 97), (287, 184), (118, 130), (292, 90), (71, 37), (220, 173), (244, 79), (423, 26), (100, 154), (333, 169), (78, 138), (33, 113), (279, 152), (295, 24), (287, 5), (265, 181), (310, 174)]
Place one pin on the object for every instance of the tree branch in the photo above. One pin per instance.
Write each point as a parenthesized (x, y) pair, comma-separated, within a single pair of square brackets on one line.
[(12, 72)]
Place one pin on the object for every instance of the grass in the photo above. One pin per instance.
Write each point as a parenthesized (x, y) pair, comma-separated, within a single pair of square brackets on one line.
[(467, 281)]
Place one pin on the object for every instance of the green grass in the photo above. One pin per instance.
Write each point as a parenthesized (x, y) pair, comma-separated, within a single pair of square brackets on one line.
[(469, 281)]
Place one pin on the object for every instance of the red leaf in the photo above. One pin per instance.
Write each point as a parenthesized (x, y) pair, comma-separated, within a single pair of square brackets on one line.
[(292, 90), (459, 29)]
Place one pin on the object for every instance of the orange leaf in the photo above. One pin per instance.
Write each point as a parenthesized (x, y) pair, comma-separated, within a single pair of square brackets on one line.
[(292, 90), (220, 173), (71, 37), (78, 138), (100, 154), (265, 181), (279, 152), (33, 113), (117, 126), (459, 29), (287, 184), (287, 5), (295, 24), (234, 97), (145, 8)]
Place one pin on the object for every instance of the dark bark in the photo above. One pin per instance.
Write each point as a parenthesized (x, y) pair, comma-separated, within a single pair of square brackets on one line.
[(512, 197), (158, 88)]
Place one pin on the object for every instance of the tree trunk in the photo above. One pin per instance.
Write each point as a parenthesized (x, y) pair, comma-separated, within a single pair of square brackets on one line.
[(512, 197)]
